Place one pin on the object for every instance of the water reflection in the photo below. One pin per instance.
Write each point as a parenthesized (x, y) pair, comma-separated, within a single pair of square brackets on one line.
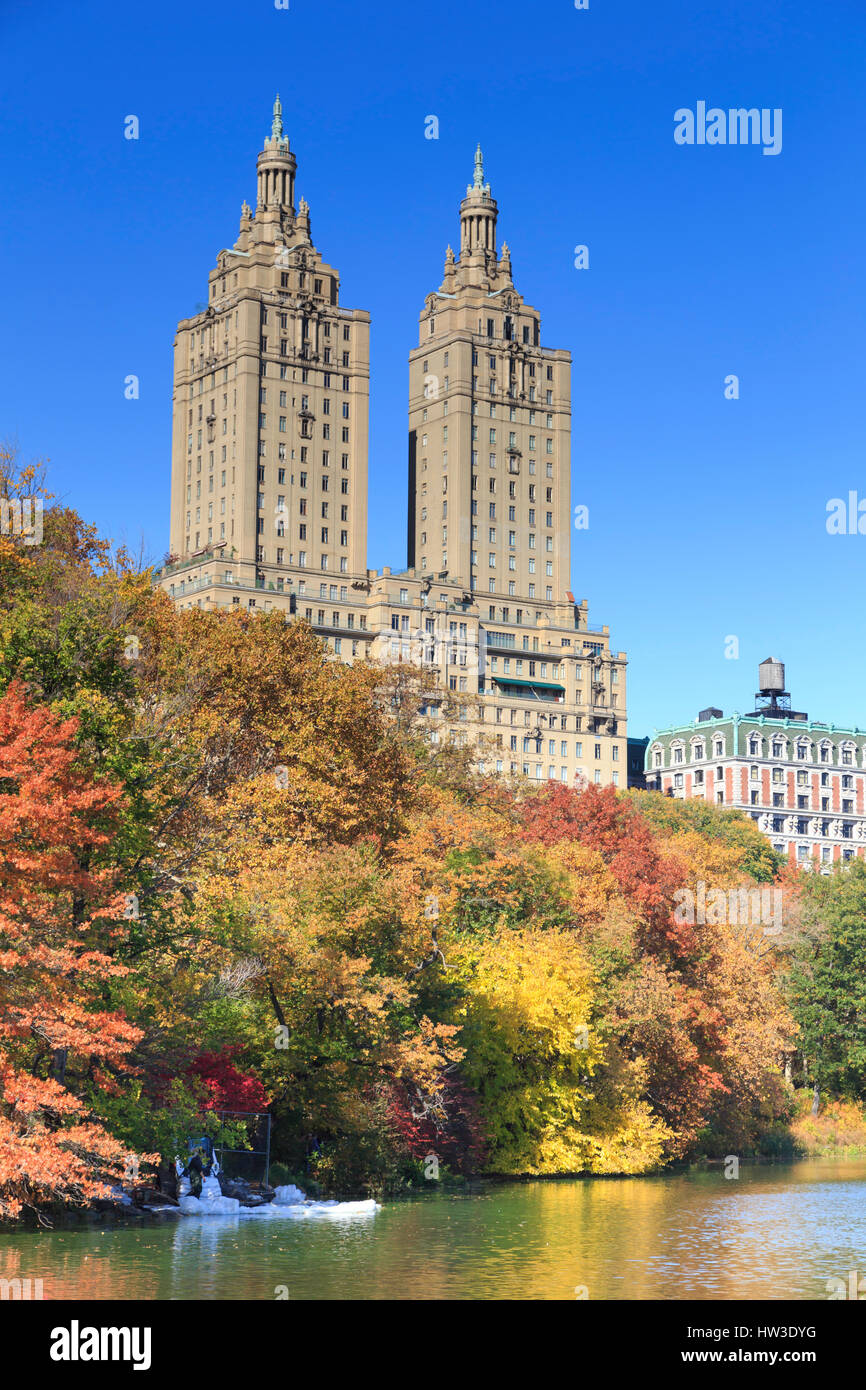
[(777, 1232)]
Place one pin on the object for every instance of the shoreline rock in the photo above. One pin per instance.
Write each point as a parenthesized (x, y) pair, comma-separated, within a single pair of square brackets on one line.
[(248, 1196)]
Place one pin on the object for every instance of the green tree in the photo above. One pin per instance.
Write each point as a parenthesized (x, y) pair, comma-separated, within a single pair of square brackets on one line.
[(827, 981)]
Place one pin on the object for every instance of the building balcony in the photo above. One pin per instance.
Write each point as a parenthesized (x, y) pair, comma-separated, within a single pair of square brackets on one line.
[(202, 557)]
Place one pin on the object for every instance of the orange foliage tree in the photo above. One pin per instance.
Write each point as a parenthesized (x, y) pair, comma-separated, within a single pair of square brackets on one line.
[(59, 916)]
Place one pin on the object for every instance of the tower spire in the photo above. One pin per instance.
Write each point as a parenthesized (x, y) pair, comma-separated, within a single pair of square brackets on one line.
[(477, 185), (276, 167)]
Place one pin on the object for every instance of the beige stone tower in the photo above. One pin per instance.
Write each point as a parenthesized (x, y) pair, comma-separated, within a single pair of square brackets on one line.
[(489, 427), (271, 404), (269, 482)]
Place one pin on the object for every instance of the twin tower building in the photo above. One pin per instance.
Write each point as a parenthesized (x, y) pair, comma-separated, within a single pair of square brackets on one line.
[(270, 476)]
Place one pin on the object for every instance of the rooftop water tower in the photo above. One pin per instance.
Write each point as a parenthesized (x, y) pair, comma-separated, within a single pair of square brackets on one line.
[(771, 677), (772, 699)]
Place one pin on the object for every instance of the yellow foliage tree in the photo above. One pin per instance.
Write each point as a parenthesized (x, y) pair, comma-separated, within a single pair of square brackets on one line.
[(532, 1052)]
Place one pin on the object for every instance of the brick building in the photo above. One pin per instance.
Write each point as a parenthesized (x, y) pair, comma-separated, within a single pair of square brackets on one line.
[(803, 782)]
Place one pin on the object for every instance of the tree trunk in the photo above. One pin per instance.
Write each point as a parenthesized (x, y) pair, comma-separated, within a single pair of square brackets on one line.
[(816, 1099)]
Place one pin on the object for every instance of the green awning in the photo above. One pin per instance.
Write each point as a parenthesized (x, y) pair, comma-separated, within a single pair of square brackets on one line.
[(518, 680)]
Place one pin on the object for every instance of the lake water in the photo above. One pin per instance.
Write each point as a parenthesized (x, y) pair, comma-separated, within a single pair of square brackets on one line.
[(776, 1232)]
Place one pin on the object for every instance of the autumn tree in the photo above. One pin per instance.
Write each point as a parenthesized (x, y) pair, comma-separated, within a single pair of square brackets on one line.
[(718, 825), (532, 1051), (685, 1000), (59, 915)]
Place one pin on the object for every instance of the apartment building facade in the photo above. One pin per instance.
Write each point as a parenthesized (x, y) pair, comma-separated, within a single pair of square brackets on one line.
[(801, 781), (271, 404), (269, 485)]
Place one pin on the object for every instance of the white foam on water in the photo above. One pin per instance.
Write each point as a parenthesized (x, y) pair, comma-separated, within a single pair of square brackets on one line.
[(289, 1201), (289, 1195), (211, 1202)]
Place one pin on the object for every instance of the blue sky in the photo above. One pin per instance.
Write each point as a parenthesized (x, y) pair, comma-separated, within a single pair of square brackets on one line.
[(707, 516)]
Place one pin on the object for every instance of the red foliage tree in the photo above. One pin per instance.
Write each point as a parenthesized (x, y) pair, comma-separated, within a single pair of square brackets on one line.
[(454, 1132), (647, 879), (59, 916), (229, 1088)]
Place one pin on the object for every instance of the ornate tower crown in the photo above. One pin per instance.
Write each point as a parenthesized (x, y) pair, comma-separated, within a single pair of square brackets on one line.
[(276, 169), (278, 143), (478, 213), (478, 186)]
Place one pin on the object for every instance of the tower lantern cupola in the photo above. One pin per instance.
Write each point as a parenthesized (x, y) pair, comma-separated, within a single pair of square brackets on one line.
[(478, 213), (276, 170)]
